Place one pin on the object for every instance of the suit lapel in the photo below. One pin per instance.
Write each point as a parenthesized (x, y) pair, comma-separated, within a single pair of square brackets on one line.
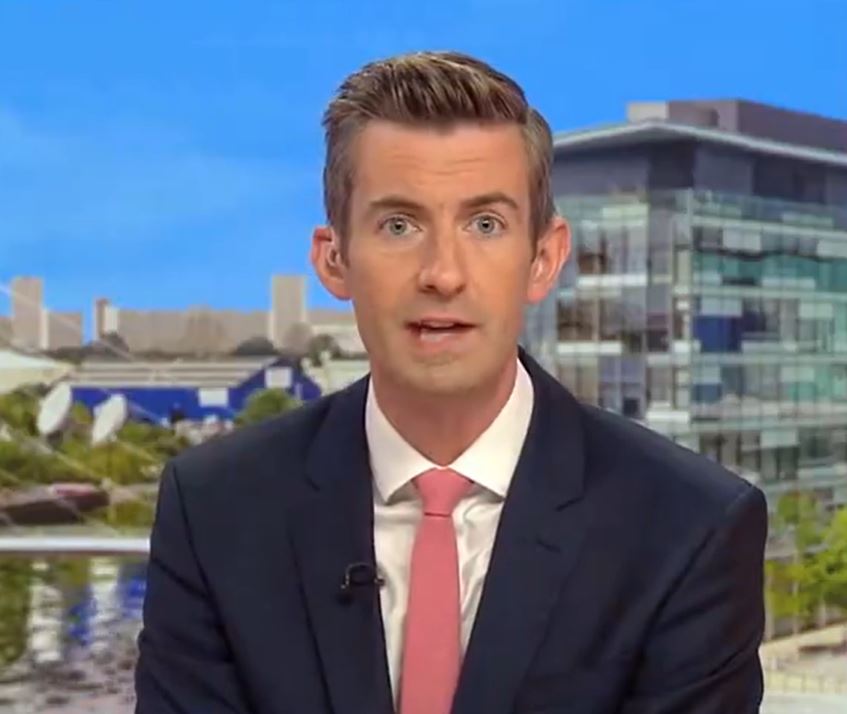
[(541, 530), (331, 531)]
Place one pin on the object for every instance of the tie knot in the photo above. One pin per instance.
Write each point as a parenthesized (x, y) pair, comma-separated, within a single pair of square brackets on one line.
[(441, 490)]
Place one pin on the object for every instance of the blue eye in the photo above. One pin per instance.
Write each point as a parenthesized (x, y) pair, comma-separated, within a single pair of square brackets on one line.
[(397, 226), (488, 225)]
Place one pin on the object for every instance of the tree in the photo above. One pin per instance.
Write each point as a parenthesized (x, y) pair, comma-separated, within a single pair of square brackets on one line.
[(16, 575), (794, 587), (22, 466), (157, 441), (19, 409), (832, 562), (255, 347), (264, 404)]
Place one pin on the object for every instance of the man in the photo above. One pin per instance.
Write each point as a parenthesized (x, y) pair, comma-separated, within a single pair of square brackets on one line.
[(456, 530)]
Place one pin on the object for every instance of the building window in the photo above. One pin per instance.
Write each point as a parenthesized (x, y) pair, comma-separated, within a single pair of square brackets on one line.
[(590, 257), (567, 374), (815, 449), (636, 251), (750, 452), (682, 266), (611, 318), (614, 245), (578, 320), (707, 239), (587, 383), (659, 385), (658, 318)]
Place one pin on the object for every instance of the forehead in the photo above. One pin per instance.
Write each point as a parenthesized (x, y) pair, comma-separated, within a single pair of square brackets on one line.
[(440, 164)]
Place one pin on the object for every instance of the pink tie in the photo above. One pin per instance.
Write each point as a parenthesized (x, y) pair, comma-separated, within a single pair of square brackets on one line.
[(432, 647)]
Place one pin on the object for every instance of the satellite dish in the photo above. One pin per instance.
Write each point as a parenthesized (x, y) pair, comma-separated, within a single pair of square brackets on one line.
[(55, 410), (111, 416)]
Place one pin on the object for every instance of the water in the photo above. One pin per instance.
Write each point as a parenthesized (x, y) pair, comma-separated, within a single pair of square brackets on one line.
[(68, 629), (67, 634)]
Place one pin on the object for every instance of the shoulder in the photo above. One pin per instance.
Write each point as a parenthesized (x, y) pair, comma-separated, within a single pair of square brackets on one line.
[(654, 480), (252, 455)]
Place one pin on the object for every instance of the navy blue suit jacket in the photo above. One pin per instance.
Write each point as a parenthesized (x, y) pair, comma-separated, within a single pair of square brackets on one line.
[(626, 576)]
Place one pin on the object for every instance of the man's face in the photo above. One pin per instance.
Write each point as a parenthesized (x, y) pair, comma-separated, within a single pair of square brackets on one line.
[(439, 260)]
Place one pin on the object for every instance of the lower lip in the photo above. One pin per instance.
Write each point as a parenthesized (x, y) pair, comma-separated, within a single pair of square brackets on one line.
[(436, 340)]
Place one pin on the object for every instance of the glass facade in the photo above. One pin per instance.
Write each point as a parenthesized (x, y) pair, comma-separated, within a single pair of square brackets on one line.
[(718, 320)]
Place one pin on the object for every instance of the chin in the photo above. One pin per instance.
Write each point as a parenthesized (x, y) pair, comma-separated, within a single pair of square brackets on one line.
[(446, 378)]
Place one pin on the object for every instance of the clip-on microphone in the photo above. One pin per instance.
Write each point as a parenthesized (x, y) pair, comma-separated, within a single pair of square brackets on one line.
[(359, 575)]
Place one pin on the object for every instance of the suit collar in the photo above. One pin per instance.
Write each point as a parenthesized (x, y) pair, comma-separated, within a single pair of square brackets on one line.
[(554, 442), (542, 527)]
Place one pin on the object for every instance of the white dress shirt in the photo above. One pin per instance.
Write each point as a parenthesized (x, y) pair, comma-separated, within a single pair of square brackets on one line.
[(489, 462)]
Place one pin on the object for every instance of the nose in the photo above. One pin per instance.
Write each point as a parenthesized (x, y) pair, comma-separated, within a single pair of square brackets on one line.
[(443, 269)]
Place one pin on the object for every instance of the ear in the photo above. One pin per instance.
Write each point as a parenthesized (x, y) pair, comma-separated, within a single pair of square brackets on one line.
[(551, 252), (328, 262)]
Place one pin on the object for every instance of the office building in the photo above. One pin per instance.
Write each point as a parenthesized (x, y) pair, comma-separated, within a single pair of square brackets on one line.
[(27, 307), (289, 325), (101, 309), (288, 308), (61, 330), (706, 293), (5, 331), (34, 327), (197, 330)]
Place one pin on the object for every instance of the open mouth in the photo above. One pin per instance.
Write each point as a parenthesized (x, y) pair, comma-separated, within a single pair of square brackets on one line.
[(436, 330)]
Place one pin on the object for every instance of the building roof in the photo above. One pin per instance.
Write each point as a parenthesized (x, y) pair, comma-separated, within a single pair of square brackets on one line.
[(10, 359), (178, 372), (656, 131)]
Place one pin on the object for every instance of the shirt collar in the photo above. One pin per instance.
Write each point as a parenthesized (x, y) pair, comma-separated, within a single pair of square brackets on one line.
[(489, 461)]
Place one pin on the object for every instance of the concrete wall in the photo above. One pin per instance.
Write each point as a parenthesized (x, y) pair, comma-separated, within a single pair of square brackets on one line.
[(64, 329), (27, 304), (198, 330), (5, 331), (288, 307)]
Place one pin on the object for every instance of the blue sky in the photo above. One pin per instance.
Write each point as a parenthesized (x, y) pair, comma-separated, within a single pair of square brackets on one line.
[(166, 154)]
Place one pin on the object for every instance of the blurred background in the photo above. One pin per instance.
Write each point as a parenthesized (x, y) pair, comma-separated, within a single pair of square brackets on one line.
[(159, 179)]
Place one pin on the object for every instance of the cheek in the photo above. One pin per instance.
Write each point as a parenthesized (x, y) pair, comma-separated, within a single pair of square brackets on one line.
[(375, 300)]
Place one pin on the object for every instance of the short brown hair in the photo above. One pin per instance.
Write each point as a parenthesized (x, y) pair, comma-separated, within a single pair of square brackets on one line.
[(426, 89)]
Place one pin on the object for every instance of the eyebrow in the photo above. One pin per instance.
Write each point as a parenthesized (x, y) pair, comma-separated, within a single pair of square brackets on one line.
[(398, 202)]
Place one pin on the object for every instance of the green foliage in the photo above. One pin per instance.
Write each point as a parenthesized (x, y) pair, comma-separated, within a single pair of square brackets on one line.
[(794, 588), (131, 515), (832, 562), (19, 409), (265, 404), (81, 416), (799, 513), (23, 466), (15, 579), (160, 442), (135, 457), (816, 573)]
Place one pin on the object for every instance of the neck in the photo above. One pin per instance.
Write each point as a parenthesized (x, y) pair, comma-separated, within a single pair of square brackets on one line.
[(442, 426)]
